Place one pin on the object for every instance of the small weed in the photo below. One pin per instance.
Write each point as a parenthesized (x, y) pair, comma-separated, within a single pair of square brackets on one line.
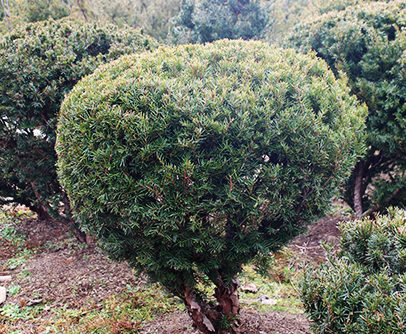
[(14, 312), (13, 289), (340, 208), (23, 256), (276, 285), (23, 274), (11, 233)]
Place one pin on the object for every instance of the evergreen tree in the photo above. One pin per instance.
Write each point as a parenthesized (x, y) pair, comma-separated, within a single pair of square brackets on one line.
[(189, 162), (287, 13), (153, 16), (39, 64), (40, 10), (209, 20), (368, 44), (362, 290)]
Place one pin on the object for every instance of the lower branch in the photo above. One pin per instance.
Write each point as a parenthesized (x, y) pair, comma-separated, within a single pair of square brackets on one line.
[(380, 206), (219, 319)]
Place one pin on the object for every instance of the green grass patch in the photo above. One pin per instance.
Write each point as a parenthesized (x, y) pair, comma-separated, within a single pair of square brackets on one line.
[(13, 240), (278, 285)]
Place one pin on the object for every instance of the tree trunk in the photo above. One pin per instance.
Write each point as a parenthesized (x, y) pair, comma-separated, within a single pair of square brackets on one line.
[(227, 297), (210, 320), (41, 212), (83, 11), (197, 312), (7, 14), (359, 173)]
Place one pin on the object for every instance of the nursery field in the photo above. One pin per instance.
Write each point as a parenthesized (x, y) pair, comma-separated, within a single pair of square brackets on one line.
[(59, 285)]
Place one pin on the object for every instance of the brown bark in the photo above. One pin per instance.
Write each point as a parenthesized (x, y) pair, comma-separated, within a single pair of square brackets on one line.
[(227, 297), (359, 171), (197, 313), (41, 212), (207, 319), (39, 209)]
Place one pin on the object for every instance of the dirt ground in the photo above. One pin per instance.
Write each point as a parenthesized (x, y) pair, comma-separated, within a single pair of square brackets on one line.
[(69, 273)]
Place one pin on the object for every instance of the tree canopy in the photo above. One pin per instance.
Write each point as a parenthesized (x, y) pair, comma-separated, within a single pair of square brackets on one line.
[(39, 64), (368, 44), (201, 21), (189, 162), (287, 13)]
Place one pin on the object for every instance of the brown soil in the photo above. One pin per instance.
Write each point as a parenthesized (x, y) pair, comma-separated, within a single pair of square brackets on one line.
[(258, 323), (70, 273)]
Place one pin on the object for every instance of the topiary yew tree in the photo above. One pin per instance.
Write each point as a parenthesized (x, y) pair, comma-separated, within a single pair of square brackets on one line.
[(368, 44), (192, 161), (39, 64)]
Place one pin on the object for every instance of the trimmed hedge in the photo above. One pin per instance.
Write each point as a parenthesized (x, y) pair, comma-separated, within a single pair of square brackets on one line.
[(39, 64), (363, 290), (191, 161)]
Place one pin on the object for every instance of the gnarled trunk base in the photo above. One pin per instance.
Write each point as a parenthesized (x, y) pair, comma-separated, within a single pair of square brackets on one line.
[(227, 297), (209, 320), (198, 312)]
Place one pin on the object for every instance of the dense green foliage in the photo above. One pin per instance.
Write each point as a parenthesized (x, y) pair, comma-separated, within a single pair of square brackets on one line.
[(364, 289), (153, 16), (191, 161), (17, 12), (40, 10), (39, 64), (287, 13), (368, 43), (204, 21)]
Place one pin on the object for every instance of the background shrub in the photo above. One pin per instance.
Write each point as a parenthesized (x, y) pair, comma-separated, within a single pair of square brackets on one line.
[(39, 64), (153, 16), (363, 290), (368, 43), (201, 21), (287, 13), (192, 161)]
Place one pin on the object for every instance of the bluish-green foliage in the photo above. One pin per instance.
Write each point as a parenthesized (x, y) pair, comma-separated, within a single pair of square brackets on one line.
[(194, 160), (363, 290), (368, 44), (39, 64), (201, 21)]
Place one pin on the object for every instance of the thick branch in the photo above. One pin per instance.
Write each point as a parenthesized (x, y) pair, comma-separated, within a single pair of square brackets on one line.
[(379, 206), (82, 10), (7, 14)]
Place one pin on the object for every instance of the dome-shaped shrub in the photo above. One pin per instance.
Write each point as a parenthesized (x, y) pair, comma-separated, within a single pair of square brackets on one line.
[(39, 64), (368, 43), (191, 161)]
